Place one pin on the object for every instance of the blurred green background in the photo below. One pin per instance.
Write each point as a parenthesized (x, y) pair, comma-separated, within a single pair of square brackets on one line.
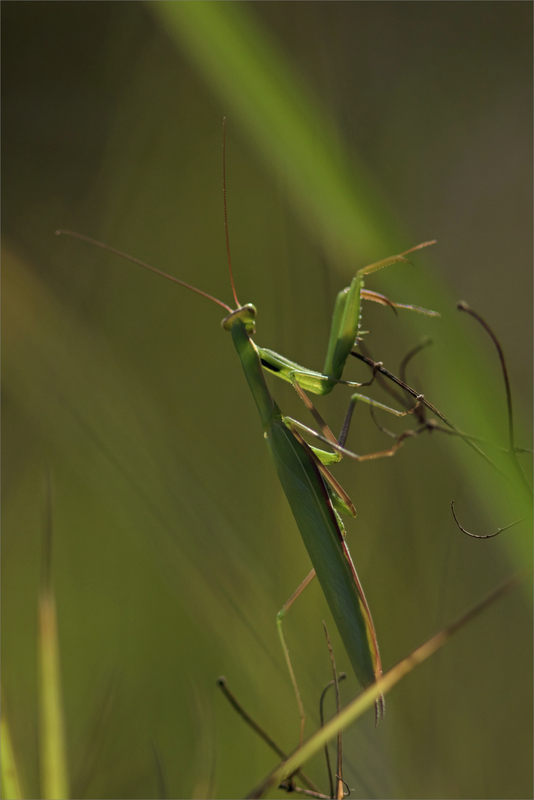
[(355, 130)]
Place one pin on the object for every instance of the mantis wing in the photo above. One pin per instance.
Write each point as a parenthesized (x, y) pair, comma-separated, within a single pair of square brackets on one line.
[(323, 536), (319, 524)]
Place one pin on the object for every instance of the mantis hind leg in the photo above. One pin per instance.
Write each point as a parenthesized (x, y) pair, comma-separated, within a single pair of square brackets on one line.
[(380, 702), (339, 444), (374, 404), (329, 439), (279, 618)]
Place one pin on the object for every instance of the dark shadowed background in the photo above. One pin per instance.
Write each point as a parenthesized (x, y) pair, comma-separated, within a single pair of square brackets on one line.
[(173, 544)]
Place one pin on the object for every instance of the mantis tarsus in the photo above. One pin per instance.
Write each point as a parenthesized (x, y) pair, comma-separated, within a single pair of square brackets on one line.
[(315, 497)]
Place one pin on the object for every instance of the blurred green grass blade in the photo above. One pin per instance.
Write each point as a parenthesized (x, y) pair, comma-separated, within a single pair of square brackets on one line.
[(54, 780), (9, 771), (257, 84), (366, 699), (335, 198), (52, 745)]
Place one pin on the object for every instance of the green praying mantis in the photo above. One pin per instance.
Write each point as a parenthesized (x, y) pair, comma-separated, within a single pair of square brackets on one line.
[(314, 495)]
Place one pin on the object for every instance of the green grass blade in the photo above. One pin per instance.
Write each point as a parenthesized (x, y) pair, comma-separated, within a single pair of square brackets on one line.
[(54, 781), (258, 87), (52, 744), (9, 770)]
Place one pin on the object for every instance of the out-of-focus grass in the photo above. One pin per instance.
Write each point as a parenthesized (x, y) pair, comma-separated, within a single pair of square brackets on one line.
[(174, 546), (10, 773), (52, 740)]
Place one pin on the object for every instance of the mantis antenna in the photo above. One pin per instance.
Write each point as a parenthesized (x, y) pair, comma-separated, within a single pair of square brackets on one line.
[(141, 264), (238, 305)]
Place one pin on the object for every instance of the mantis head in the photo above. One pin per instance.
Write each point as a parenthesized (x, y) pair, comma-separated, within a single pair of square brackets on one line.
[(247, 315)]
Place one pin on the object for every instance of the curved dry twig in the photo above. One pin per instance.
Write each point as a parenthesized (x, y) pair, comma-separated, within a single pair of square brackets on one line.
[(340, 677), (463, 306), (346, 785), (478, 536), (425, 342), (222, 683)]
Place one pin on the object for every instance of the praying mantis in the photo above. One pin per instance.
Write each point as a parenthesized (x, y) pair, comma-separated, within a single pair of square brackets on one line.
[(314, 495)]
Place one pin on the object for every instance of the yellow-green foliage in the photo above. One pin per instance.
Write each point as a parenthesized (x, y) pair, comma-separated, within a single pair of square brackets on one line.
[(355, 130)]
